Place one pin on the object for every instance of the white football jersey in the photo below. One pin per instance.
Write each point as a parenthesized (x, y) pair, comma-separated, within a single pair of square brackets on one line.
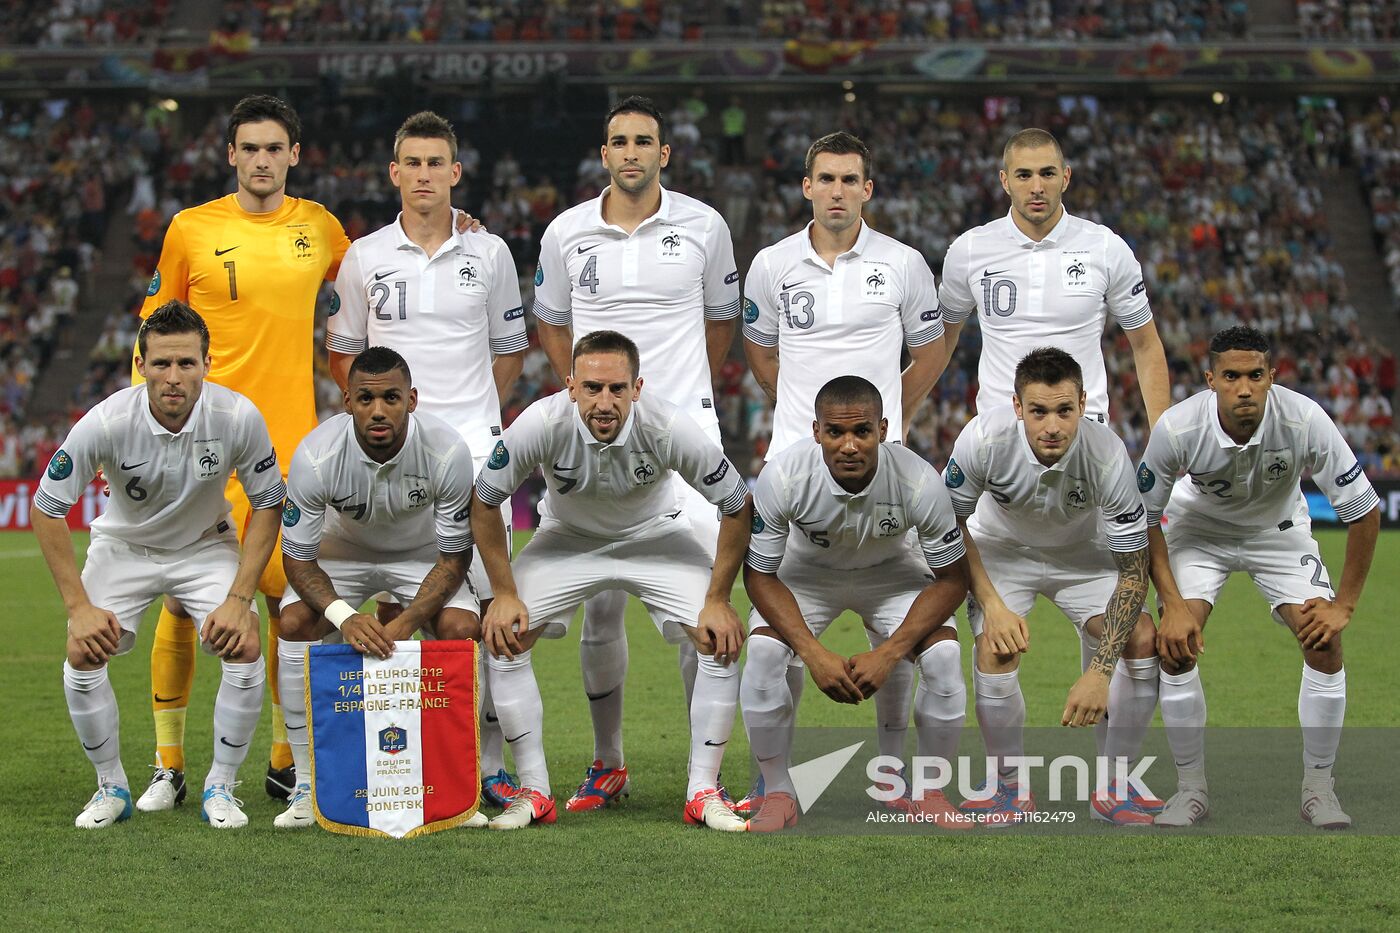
[(615, 490), (343, 505), (447, 314), (853, 317), (844, 530), (1236, 491), (657, 286), (167, 489), (1089, 496), (1054, 293)]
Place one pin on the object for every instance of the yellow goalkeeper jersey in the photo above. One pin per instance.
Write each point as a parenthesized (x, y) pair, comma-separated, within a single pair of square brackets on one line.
[(254, 280)]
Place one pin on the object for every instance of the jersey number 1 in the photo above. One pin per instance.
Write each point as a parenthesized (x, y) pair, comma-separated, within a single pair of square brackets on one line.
[(232, 281)]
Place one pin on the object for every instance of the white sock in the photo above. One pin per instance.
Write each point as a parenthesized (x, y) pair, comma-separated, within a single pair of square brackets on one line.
[(1183, 702), (1132, 699), (92, 704), (602, 653), (940, 704), (521, 711), (291, 684), (769, 711), (689, 662), (1001, 715), (237, 708), (796, 678), (493, 754), (711, 721), (892, 703), (1322, 705)]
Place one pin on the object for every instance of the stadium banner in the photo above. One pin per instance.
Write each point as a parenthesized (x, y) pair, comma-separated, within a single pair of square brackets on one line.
[(845, 785), (1324, 516), (394, 744), (16, 495), (197, 68)]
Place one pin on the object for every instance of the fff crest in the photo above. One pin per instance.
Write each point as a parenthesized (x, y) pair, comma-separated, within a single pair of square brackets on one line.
[(393, 740)]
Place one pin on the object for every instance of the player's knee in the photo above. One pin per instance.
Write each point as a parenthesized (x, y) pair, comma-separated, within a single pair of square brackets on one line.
[(1326, 660), (940, 667), (248, 652), (503, 665), (388, 612), (990, 661), (707, 666), (77, 657), (1142, 643), (457, 624), (1174, 668), (766, 663), (297, 622)]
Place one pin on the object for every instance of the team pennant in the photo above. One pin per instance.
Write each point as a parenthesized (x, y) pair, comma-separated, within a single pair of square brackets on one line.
[(394, 744)]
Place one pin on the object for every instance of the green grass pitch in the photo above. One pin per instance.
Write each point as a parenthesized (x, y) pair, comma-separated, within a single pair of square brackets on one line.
[(638, 866)]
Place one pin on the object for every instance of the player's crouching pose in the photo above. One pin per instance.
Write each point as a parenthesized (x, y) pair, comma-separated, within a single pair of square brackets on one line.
[(854, 498), (167, 447), (1244, 444), (378, 501), (1048, 497), (608, 457)]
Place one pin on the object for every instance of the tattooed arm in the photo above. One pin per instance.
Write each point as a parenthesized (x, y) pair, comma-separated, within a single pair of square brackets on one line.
[(1088, 698), (763, 362), (310, 581), (441, 583)]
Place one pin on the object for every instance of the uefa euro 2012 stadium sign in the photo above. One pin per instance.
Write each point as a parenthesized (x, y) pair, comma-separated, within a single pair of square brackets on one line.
[(394, 743)]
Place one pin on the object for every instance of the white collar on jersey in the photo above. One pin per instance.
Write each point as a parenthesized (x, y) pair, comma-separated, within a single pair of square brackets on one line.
[(452, 243), (591, 441), (157, 428), (1051, 239), (1225, 440), (354, 442), (862, 239), (1030, 451), (837, 490), (662, 213)]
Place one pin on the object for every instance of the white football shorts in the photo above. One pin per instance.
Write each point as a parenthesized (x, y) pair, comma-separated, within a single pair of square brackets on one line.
[(1285, 565)]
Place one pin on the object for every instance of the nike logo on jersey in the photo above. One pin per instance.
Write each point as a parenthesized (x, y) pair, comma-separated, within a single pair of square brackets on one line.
[(134, 465), (342, 499), (230, 744), (220, 252), (987, 273), (584, 249), (786, 286), (385, 275), (560, 466), (160, 699)]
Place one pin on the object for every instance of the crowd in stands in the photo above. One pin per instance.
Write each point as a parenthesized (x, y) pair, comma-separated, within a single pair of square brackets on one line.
[(1004, 20), (62, 164), (54, 24), (270, 23), (1220, 205), (1359, 20), (1375, 140)]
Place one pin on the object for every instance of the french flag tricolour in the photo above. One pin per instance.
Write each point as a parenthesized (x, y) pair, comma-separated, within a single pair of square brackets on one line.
[(394, 744)]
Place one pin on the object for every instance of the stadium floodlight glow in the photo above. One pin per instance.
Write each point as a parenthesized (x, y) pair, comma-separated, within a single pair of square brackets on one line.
[(169, 105), (850, 97), (847, 85), (1218, 98)]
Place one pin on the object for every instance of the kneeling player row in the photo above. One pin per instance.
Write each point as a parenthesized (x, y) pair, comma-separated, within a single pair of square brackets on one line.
[(381, 500)]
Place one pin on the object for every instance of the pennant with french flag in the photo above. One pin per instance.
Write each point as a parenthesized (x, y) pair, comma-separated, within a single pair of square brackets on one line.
[(394, 743)]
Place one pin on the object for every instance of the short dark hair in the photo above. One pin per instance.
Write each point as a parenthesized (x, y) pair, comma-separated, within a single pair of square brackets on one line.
[(637, 104), (1239, 337), (850, 390), (255, 108), (173, 317), (426, 125), (840, 143), (610, 341), (1048, 366), (377, 360), (1031, 138)]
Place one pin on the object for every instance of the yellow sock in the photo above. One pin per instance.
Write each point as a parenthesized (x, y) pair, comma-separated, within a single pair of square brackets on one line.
[(172, 678), (281, 755)]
